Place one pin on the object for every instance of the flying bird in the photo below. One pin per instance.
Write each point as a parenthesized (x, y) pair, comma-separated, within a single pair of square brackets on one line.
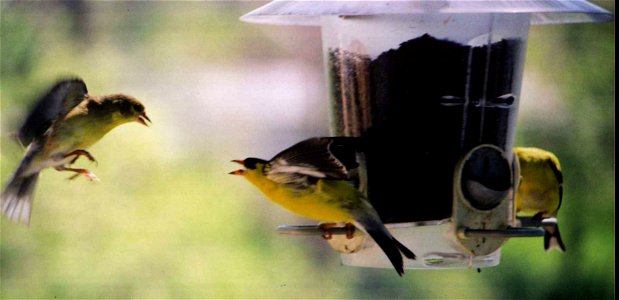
[(58, 130)]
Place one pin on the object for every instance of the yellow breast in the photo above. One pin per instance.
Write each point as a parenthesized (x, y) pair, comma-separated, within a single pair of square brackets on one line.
[(538, 190), (313, 203)]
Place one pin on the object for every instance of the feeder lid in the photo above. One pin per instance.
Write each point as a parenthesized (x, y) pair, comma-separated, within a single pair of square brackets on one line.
[(308, 12)]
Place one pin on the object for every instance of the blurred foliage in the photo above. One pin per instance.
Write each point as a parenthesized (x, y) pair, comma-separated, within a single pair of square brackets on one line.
[(167, 222)]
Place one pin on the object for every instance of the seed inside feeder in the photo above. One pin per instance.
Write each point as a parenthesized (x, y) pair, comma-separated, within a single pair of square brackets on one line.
[(422, 106)]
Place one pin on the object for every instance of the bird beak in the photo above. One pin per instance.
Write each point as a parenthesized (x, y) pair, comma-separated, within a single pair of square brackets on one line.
[(143, 118), (237, 172)]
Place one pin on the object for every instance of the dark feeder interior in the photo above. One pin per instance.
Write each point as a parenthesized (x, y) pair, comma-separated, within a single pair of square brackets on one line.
[(422, 106), (423, 101)]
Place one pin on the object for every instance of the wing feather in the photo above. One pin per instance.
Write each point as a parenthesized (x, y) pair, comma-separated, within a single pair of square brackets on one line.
[(312, 159), (63, 97)]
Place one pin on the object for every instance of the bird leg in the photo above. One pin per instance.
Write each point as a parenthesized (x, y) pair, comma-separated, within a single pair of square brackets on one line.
[(80, 152), (89, 175)]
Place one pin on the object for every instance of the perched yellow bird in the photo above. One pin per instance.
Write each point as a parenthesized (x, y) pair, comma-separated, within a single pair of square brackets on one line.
[(64, 123), (312, 178), (540, 192)]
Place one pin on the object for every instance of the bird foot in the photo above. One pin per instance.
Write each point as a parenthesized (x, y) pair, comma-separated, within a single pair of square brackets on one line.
[(350, 230), (89, 175), (327, 229), (78, 153)]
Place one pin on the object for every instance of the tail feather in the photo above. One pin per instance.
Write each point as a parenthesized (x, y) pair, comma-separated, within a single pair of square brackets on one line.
[(392, 247), (552, 238), (17, 197), (407, 252)]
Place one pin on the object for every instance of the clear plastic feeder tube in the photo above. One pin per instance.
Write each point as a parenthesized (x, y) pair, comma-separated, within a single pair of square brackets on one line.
[(424, 90)]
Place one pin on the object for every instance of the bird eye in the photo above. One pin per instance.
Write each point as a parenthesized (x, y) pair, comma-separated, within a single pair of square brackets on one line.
[(138, 108), (249, 163)]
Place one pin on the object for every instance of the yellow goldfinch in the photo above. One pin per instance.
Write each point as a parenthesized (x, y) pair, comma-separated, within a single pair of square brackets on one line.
[(540, 191), (312, 178), (64, 123)]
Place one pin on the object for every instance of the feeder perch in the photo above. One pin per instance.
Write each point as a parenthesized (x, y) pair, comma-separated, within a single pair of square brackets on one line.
[(433, 87)]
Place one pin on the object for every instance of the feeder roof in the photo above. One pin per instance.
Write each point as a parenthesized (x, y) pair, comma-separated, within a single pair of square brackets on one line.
[(308, 12)]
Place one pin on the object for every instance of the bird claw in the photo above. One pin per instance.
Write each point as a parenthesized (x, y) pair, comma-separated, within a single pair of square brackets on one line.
[(350, 230), (327, 233), (326, 230), (89, 175)]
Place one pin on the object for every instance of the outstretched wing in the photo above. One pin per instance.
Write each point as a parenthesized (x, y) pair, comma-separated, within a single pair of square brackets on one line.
[(312, 159), (63, 97)]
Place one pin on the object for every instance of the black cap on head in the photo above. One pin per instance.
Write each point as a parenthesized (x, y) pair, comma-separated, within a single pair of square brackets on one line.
[(127, 105), (250, 162)]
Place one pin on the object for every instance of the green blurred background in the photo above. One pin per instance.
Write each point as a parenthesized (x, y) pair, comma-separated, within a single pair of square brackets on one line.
[(165, 221)]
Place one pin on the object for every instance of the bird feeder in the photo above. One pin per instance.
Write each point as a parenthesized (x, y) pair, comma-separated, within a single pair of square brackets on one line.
[(434, 87)]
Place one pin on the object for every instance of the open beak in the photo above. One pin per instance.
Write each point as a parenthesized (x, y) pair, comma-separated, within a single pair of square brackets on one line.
[(237, 172), (142, 118)]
